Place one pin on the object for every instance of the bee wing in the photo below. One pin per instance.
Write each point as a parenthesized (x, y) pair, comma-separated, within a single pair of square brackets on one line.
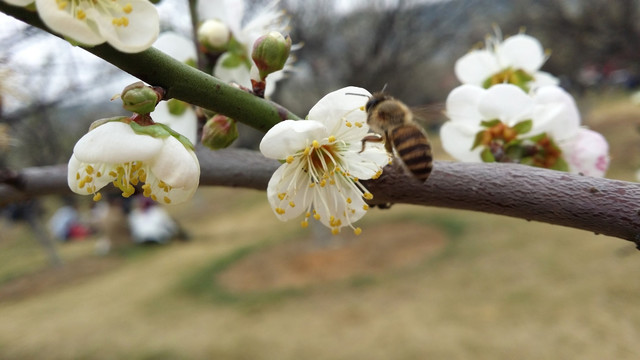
[(429, 115)]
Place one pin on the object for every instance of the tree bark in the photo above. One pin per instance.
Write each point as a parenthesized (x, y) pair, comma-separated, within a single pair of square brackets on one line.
[(603, 206)]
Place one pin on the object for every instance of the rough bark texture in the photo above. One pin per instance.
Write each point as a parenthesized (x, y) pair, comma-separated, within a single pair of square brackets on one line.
[(603, 206)]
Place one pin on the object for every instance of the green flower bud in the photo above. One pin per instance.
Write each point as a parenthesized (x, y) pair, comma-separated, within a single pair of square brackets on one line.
[(214, 35), (177, 107), (219, 132), (270, 52), (139, 98)]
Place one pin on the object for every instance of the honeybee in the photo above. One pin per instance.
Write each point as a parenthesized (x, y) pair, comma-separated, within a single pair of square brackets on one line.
[(393, 123)]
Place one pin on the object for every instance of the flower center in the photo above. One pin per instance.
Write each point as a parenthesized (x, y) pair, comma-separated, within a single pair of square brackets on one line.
[(78, 9), (328, 175), (509, 76), (126, 176)]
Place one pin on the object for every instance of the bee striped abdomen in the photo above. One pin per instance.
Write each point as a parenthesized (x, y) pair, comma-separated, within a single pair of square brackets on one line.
[(413, 148)]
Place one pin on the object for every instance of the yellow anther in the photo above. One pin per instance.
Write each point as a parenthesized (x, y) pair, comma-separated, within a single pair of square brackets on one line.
[(335, 231), (89, 169), (127, 8), (289, 159), (368, 195), (312, 185), (281, 196), (292, 204), (279, 211), (365, 207), (323, 183), (81, 15), (154, 197), (308, 214), (332, 138), (62, 5), (167, 200), (348, 124), (98, 174), (358, 124), (316, 216), (77, 176), (377, 174), (332, 181), (357, 231), (304, 223), (315, 144), (362, 108), (348, 200), (97, 197), (81, 184), (355, 179), (306, 152), (112, 173)]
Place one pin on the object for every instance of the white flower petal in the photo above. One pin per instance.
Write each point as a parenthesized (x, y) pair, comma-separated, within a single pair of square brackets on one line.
[(185, 124), (19, 2), (457, 140), (291, 189), (176, 165), (505, 102), (555, 112), (176, 46), (462, 105), (366, 164), (62, 22), (339, 106), (290, 136), (542, 78), (587, 153), (521, 52), (115, 142), (140, 33), (239, 74), (476, 66)]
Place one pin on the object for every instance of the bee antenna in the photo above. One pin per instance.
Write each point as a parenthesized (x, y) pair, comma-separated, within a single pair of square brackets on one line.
[(357, 94), (384, 88)]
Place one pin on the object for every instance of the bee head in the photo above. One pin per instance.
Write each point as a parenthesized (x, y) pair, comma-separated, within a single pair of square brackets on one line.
[(376, 99)]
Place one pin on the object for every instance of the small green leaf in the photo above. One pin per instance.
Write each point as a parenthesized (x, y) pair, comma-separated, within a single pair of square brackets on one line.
[(523, 126), (560, 165), (155, 130), (487, 156), (478, 140), (490, 123)]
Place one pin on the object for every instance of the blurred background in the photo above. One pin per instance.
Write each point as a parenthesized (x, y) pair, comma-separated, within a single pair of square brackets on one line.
[(228, 280)]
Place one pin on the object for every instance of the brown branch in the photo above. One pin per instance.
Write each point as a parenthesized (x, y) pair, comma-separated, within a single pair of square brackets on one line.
[(603, 206)]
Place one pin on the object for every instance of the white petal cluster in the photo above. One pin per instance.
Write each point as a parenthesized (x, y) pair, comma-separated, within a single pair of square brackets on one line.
[(322, 162), (114, 153), (245, 29), (128, 25), (501, 60)]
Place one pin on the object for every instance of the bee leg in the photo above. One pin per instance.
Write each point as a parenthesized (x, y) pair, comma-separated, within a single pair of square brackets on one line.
[(371, 138)]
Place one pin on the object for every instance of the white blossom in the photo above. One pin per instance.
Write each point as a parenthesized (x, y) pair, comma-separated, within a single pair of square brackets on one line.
[(587, 153), (323, 162), (114, 153), (516, 60), (128, 25)]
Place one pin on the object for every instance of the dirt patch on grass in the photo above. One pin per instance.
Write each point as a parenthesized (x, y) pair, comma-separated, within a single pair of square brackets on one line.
[(301, 263), (49, 279)]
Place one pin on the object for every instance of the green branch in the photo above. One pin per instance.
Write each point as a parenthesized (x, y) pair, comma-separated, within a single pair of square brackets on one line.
[(181, 81)]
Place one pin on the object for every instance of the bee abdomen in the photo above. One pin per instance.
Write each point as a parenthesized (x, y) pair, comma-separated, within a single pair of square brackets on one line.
[(413, 148)]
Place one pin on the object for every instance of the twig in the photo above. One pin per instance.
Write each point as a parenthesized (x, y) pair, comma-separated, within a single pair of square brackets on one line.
[(603, 206)]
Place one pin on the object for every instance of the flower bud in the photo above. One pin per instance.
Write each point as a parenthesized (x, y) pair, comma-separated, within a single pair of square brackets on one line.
[(177, 107), (219, 132), (270, 52), (139, 98), (214, 35)]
